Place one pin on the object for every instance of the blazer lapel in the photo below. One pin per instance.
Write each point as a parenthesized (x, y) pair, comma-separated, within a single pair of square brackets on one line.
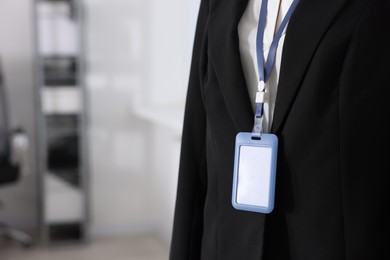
[(305, 30), (225, 57), (302, 39)]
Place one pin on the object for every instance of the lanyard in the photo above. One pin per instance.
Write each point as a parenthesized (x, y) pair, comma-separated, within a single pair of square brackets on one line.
[(266, 69)]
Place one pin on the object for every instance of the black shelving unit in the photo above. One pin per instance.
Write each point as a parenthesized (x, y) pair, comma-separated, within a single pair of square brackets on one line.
[(61, 96)]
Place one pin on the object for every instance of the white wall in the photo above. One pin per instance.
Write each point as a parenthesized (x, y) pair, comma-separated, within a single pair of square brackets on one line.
[(171, 35), (172, 32), (16, 50), (118, 144), (138, 56)]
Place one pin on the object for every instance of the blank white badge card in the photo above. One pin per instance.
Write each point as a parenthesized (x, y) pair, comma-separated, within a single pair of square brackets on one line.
[(254, 173)]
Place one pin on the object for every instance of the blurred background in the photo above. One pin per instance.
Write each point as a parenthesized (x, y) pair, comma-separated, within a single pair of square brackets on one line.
[(92, 97)]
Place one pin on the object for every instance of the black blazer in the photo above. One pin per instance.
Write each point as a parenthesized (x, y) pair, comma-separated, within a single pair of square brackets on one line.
[(332, 119)]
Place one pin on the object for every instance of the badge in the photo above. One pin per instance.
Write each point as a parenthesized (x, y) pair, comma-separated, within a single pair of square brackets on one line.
[(254, 172)]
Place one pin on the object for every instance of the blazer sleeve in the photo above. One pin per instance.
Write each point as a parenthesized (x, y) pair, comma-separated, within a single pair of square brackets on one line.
[(191, 190), (364, 134)]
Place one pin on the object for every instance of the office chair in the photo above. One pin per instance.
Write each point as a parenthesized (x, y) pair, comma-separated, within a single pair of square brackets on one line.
[(10, 174), (13, 150)]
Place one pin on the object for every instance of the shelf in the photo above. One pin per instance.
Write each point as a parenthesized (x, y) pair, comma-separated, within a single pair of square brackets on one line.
[(61, 100), (62, 116), (63, 202), (57, 31), (60, 70)]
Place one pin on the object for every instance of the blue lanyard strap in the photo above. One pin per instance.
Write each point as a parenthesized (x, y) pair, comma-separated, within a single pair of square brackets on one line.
[(266, 69)]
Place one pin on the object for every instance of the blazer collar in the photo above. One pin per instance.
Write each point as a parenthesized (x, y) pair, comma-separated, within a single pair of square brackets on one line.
[(309, 23), (224, 17), (302, 39)]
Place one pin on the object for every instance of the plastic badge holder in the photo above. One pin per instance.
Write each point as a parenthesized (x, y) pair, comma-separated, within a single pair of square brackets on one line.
[(254, 172)]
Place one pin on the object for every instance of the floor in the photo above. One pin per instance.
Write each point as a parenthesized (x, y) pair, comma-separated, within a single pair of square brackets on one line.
[(143, 247)]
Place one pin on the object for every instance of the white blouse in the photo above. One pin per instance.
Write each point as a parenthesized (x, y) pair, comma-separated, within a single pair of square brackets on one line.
[(247, 30)]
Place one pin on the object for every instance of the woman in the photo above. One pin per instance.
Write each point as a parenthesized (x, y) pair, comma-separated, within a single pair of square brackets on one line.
[(327, 103)]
